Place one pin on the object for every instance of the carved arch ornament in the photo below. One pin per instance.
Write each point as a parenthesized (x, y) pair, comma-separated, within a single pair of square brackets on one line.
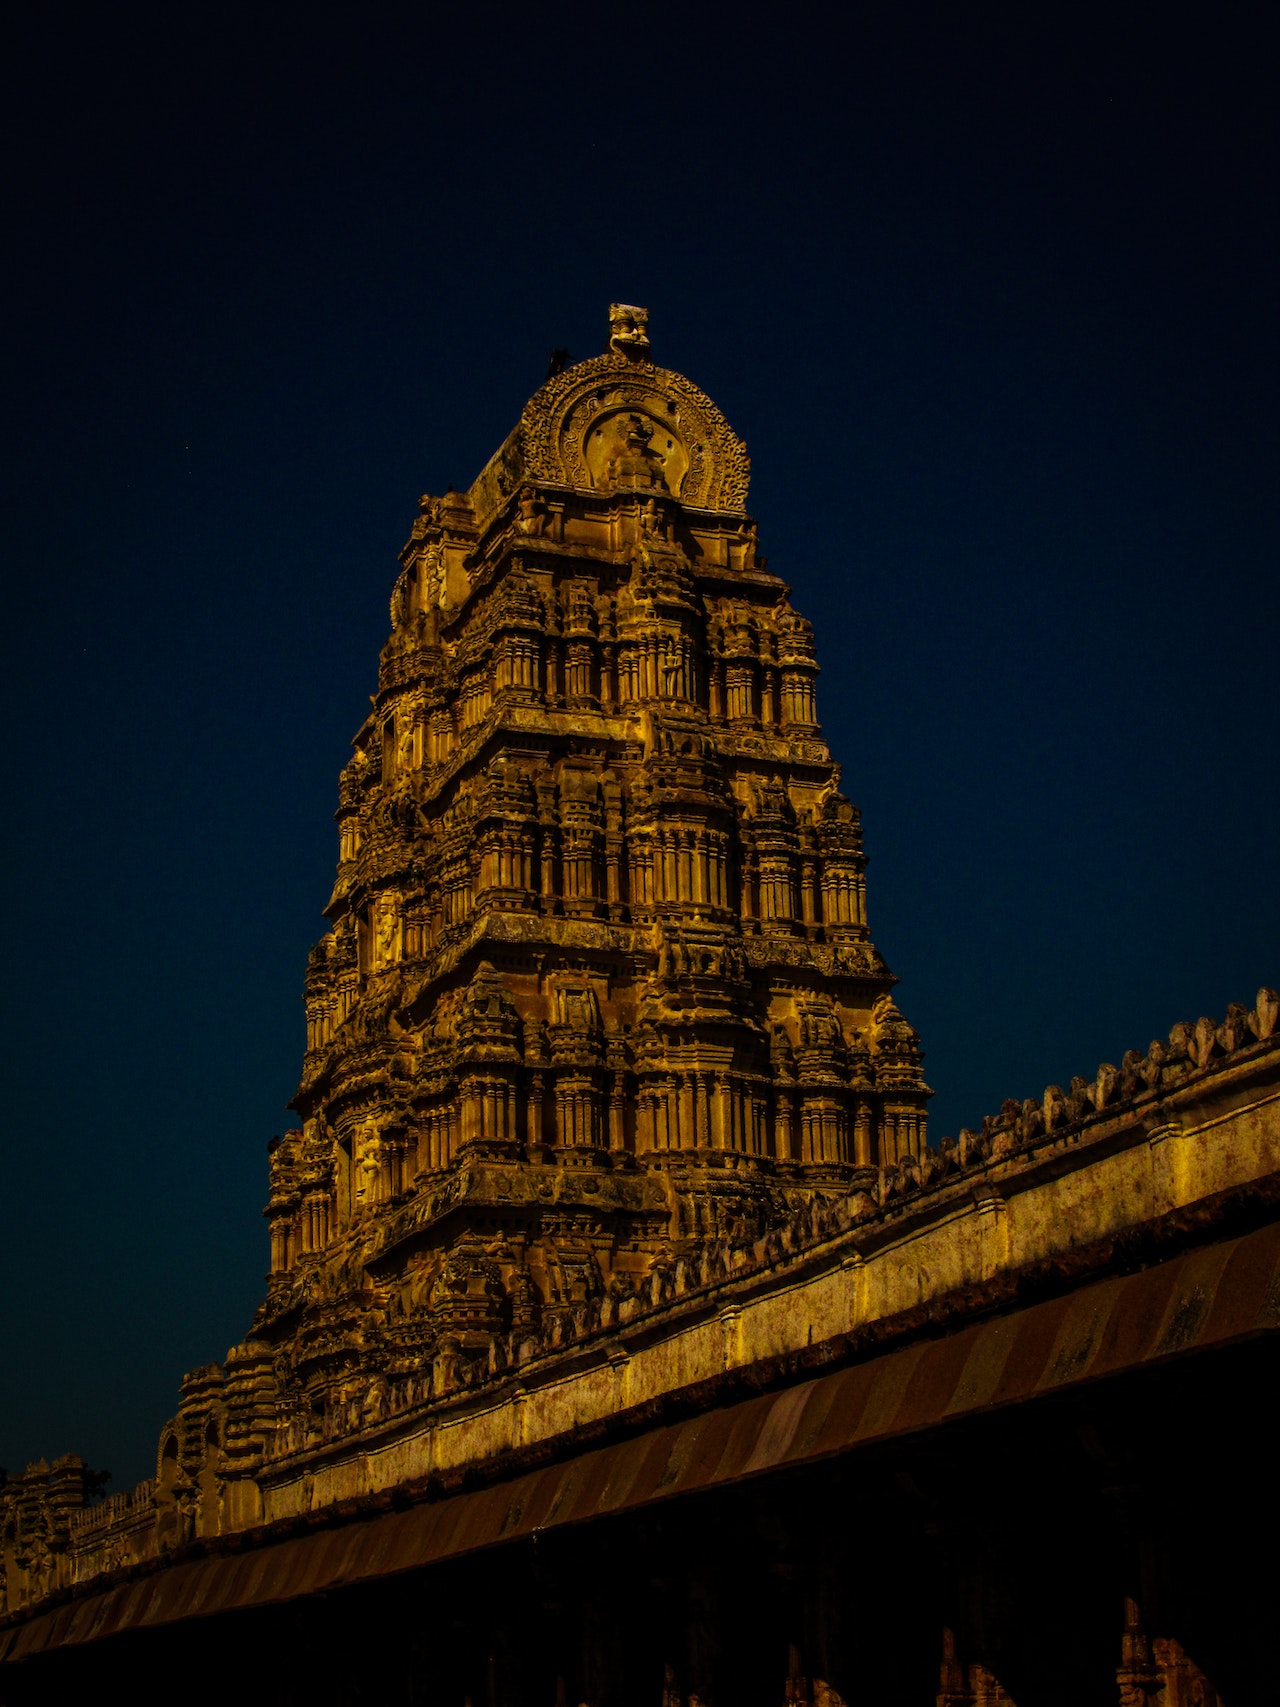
[(703, 460)]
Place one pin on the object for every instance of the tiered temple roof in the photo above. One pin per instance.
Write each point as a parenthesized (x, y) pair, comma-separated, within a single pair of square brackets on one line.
[(599, 985)]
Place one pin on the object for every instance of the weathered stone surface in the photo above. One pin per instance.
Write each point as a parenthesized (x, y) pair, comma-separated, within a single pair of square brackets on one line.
[(608, 1115), (598, 989)]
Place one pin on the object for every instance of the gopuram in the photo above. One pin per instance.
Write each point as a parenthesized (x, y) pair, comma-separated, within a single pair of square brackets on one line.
[(626, 1343)]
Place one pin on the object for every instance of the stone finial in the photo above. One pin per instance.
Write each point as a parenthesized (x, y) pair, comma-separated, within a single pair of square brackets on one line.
[(629, 331)]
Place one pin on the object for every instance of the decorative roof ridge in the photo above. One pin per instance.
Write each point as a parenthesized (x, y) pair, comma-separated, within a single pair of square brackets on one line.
[(1191, 1051)]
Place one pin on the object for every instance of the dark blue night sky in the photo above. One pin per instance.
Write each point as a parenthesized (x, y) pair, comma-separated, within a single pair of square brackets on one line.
[(990, 293)]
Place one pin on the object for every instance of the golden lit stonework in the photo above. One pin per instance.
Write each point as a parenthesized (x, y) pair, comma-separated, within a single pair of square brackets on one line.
[(609, 1230), (599, 985)]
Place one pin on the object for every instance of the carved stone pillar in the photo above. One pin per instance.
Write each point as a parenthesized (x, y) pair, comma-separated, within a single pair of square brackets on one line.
[(784, 1120), (799, 699), (617, 1113), (534, 1143), (740, 685)]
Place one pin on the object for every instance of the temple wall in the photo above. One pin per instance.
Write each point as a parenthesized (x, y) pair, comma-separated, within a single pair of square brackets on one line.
[(954, 1232), (1013, 1213)]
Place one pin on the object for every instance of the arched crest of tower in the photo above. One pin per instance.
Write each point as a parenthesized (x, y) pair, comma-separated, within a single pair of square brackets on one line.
[(618, 420)]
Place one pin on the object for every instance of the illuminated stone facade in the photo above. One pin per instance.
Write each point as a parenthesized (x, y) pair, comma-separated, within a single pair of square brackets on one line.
[(611, 1195), (599, 985)]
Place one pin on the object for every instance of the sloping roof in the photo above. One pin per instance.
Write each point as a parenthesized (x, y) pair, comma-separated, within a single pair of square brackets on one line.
[(1205, 1298)]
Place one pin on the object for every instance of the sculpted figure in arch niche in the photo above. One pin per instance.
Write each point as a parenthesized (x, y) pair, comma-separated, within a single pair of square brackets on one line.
[(404, 744), (386, 935), (366, 1159), (431, 578), (630, 447)]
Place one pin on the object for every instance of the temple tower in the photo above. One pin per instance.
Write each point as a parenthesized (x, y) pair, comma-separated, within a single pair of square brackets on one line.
[(598, 986)]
